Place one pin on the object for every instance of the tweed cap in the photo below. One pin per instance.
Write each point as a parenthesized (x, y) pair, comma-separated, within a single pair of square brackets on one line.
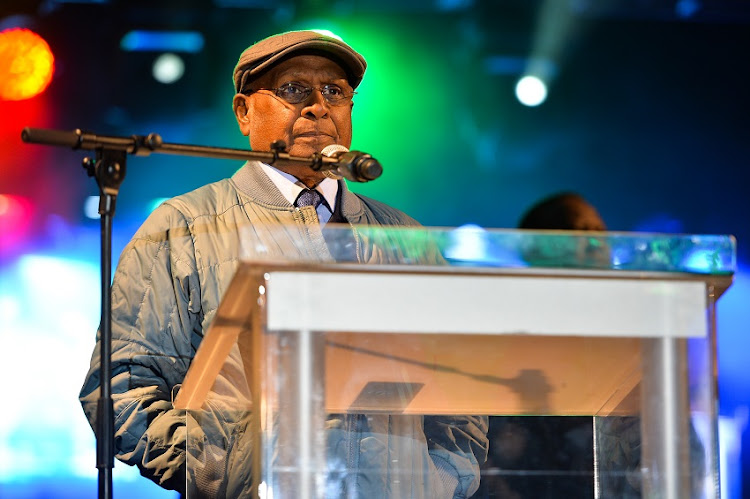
[(262, 55)]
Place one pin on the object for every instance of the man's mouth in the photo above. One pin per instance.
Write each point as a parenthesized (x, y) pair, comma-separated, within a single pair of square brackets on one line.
[(313, 135)]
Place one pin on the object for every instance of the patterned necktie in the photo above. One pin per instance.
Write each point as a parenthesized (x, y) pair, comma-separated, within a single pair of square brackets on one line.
[(308, 197)]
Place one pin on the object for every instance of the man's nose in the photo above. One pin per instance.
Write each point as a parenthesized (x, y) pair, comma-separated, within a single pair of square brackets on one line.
[(316, 104)]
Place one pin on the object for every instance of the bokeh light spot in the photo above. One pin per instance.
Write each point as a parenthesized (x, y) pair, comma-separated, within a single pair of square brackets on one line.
[(168, 68), (16, 213), (91, 207), (26, 64), (531, 91)]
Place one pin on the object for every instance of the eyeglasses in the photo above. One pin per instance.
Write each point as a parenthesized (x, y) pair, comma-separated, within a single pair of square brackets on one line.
[(295, 93)]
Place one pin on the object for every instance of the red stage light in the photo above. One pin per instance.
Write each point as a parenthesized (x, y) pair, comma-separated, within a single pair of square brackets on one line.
[(16, 213), (26, 64)]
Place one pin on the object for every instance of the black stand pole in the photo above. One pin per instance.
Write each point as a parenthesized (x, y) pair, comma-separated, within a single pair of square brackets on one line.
[(109, 171)]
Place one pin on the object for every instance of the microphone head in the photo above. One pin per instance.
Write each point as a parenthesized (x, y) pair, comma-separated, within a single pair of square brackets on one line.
[(333, 151)]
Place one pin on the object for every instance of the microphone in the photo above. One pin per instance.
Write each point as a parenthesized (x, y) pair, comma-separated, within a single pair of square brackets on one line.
[(352, 165)]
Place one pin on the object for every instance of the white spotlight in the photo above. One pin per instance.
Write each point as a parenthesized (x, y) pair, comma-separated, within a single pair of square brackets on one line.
[(168, 68), (531, 91), (91, 207)]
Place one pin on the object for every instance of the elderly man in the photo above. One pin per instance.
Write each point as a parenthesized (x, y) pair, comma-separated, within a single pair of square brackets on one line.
[(296, 87)]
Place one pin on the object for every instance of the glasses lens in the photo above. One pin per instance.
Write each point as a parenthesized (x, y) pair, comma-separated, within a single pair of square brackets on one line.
[(333, 93), (293, 93)]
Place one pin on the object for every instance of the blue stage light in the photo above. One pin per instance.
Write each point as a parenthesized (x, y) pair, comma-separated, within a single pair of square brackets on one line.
[(162, 41)]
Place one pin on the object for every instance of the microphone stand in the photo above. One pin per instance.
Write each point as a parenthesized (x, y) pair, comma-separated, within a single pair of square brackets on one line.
[(108, 168)]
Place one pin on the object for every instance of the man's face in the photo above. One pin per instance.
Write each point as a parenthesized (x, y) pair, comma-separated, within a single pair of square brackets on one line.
[(306, 127)]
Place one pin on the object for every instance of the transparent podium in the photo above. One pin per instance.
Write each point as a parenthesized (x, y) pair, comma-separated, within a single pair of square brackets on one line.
[(365, 362)]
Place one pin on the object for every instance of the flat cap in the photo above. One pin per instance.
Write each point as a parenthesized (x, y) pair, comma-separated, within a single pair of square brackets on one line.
[(260, 56)]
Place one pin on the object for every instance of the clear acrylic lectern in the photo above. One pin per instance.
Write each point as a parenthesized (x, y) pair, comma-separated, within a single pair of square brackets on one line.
[(405, 323)]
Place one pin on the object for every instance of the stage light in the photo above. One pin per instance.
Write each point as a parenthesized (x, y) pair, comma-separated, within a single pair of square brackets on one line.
[(16, 213), (26, 64), (168, 68), (504, 64), (91, 208), (531, 91), (160, 41), (687, 8)]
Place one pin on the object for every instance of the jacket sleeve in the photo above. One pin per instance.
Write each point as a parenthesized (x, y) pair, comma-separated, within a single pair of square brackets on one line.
[(156, 326)]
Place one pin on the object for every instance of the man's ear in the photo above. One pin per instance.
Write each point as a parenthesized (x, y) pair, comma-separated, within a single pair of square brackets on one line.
[(239, 104)]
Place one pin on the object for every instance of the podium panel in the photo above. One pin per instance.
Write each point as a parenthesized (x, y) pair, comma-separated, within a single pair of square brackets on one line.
[(302, 354)]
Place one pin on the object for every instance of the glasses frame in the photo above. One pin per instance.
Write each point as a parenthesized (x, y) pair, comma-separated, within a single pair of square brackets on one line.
[(347, 97)]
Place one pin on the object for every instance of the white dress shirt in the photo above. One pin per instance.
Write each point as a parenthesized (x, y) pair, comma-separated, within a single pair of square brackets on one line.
[(290, 188)]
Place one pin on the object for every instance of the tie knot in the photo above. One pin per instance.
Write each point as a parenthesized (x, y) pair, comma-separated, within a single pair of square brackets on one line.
[(308, 197)]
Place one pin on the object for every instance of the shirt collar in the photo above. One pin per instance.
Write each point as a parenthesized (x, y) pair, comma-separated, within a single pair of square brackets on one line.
[(290, 186)]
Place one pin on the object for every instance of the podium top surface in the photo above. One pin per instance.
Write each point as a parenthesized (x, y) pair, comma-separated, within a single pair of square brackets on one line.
[(475, 247), (635, 286)]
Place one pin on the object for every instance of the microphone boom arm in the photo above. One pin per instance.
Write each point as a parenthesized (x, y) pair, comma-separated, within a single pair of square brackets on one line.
[(355, 166)]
